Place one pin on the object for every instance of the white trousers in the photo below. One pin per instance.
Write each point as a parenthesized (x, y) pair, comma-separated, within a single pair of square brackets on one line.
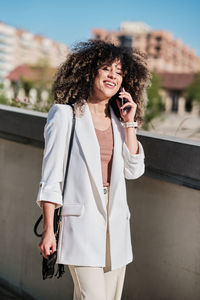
[(98, 283)]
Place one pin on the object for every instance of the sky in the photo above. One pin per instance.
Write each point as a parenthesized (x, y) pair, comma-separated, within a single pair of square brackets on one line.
[(71, 21)]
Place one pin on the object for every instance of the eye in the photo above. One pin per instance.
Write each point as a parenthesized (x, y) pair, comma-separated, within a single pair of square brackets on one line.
[(106, 68), (119, 71)]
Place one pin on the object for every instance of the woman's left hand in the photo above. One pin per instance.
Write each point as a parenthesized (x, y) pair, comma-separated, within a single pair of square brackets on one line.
[(127, 115)]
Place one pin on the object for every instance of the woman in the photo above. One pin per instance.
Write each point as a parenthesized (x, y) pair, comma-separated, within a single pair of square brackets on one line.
[(94, 239)]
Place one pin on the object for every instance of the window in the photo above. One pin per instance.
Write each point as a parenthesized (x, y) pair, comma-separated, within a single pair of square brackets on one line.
[(126, 41), (158, 38)]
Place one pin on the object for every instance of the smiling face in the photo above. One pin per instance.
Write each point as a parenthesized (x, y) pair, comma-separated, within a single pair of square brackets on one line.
[(108, 81)]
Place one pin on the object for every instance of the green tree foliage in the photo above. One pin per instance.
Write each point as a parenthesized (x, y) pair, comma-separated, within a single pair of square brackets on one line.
[(154, 105), (3, 99), (192, 92)]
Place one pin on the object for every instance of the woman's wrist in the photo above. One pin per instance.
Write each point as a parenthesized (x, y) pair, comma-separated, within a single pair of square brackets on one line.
[(130, 129), (131, 132), (48, 217), (48, 229), (131, 137)]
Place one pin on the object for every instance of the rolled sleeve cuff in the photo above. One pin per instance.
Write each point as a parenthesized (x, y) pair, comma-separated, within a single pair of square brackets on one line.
[(51, 193), (133, 158)]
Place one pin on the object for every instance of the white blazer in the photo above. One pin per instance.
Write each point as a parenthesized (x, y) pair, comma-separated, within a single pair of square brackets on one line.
[(82, 239)]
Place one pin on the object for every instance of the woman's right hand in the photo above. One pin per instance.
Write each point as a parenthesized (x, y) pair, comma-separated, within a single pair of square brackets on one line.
[(47, 244)]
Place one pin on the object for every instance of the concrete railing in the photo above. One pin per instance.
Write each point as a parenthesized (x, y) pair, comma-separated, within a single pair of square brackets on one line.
[(165, 214)]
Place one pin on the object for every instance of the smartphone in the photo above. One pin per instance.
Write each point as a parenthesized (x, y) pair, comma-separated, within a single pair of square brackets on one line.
[(122, 102)]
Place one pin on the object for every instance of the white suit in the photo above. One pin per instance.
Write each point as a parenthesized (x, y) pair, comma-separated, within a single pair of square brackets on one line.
[(82, 239)]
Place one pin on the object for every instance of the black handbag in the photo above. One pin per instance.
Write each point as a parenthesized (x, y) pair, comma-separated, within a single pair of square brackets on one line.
[(48, 265)]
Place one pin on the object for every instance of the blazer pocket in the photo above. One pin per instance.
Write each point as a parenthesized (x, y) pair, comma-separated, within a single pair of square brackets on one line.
[(71, 209)]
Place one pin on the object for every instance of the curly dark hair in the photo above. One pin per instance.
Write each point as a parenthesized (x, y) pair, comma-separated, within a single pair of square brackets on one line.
[(75, 77)]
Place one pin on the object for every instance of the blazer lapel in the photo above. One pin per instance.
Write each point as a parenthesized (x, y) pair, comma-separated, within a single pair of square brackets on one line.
[(119, 136), (89, 143)]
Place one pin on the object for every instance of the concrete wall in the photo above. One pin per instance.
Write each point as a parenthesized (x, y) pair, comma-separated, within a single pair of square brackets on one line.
[(165, 220), (166, 241), (20, 260), (165, 233)]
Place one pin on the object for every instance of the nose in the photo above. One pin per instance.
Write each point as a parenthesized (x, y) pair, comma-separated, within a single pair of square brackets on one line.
[(111, 74)]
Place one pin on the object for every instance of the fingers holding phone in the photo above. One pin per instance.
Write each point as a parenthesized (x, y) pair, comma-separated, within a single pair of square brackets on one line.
[(126, 106)]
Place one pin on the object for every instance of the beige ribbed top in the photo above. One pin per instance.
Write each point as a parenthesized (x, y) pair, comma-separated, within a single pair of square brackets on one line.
[(105, 139)]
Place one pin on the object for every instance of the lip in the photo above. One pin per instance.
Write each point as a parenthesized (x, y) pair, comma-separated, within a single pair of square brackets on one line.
[(110, 82)]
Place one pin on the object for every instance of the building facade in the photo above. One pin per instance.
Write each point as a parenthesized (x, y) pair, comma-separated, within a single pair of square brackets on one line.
[(165, 54), (175, 62), (18, 47)]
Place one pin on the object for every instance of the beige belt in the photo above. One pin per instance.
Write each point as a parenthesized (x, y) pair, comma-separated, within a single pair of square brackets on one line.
[(105, 189)]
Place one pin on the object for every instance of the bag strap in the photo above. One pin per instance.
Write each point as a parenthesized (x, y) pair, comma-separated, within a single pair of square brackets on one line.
[(59, 210), (68, 161), (69, 151)]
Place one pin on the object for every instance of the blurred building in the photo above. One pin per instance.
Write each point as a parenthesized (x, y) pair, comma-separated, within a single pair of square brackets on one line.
[(175, 62), (165, 53), (18, 47)]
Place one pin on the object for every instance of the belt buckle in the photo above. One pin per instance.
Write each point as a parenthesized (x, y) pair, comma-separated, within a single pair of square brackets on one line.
[(105, 190)]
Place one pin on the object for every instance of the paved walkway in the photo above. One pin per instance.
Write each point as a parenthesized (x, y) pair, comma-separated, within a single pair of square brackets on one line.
[(171, 124)]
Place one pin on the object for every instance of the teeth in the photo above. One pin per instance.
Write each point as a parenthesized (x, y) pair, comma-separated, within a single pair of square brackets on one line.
[(109, 83)]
